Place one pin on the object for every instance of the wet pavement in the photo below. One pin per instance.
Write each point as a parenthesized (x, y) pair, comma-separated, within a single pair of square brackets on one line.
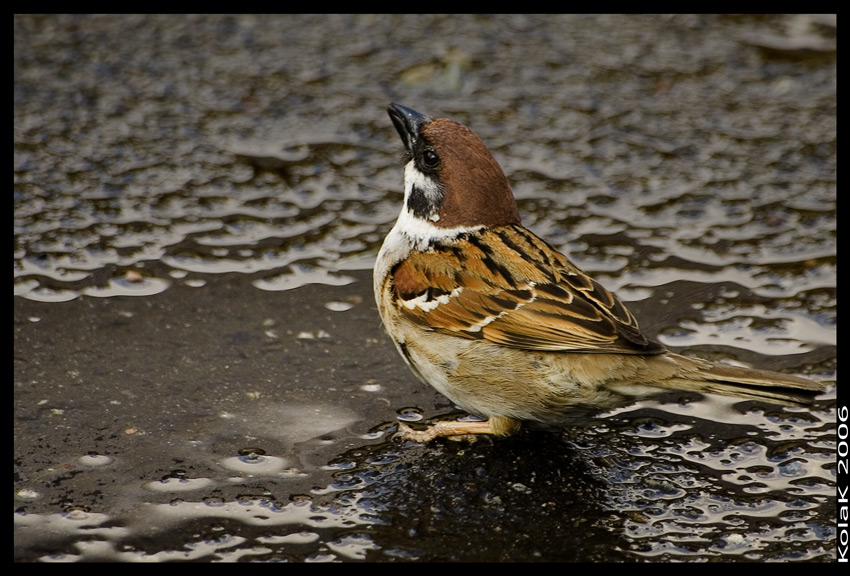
[(200, 372)]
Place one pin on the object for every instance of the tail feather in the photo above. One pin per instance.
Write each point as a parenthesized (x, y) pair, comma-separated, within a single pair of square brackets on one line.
[(702, 376)]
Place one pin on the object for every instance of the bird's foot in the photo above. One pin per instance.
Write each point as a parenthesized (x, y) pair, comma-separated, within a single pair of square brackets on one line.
[(457, 430)]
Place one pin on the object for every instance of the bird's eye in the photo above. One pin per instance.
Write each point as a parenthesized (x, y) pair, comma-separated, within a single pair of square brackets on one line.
[(430, 158)]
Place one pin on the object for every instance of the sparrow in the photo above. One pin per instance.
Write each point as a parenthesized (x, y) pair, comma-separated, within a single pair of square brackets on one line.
[(502, 323)]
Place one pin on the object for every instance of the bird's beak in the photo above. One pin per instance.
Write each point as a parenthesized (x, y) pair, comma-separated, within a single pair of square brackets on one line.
[(408, 123)]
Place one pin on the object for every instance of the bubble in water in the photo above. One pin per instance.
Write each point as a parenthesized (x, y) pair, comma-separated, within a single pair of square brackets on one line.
[(76, 513), (26, 494), (176, 474), (371, 386), (410, 415), (95, 460), (251, 455), (252, 460), (176, 481)]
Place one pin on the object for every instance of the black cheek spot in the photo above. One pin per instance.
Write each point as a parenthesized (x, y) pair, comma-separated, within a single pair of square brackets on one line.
[(419, 204)]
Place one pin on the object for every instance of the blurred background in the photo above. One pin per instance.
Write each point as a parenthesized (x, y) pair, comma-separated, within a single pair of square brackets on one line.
[(200, 372)]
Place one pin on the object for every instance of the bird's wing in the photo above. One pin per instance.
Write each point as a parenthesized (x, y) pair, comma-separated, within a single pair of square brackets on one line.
[(508, 286)]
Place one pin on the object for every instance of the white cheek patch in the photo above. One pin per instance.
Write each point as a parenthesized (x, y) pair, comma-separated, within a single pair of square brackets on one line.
[(413, 178)]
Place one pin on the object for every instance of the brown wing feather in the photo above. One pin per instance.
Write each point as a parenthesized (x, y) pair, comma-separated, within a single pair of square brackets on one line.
[(511, 288)]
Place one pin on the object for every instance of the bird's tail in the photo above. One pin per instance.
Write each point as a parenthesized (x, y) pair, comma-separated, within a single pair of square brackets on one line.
[(702, 376)]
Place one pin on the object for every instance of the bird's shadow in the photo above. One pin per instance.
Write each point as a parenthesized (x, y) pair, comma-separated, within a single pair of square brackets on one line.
[(523, 497)]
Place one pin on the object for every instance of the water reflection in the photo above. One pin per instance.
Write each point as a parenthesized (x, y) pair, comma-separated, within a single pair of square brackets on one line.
[(656, 481)]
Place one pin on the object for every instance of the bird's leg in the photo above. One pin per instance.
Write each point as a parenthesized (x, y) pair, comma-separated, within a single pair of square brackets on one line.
[(460, 430)]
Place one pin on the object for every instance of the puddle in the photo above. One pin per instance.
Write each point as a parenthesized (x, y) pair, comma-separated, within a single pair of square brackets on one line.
[(200, 371)]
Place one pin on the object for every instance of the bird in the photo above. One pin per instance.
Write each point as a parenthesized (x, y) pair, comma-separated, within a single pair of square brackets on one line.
[(503, 324)]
